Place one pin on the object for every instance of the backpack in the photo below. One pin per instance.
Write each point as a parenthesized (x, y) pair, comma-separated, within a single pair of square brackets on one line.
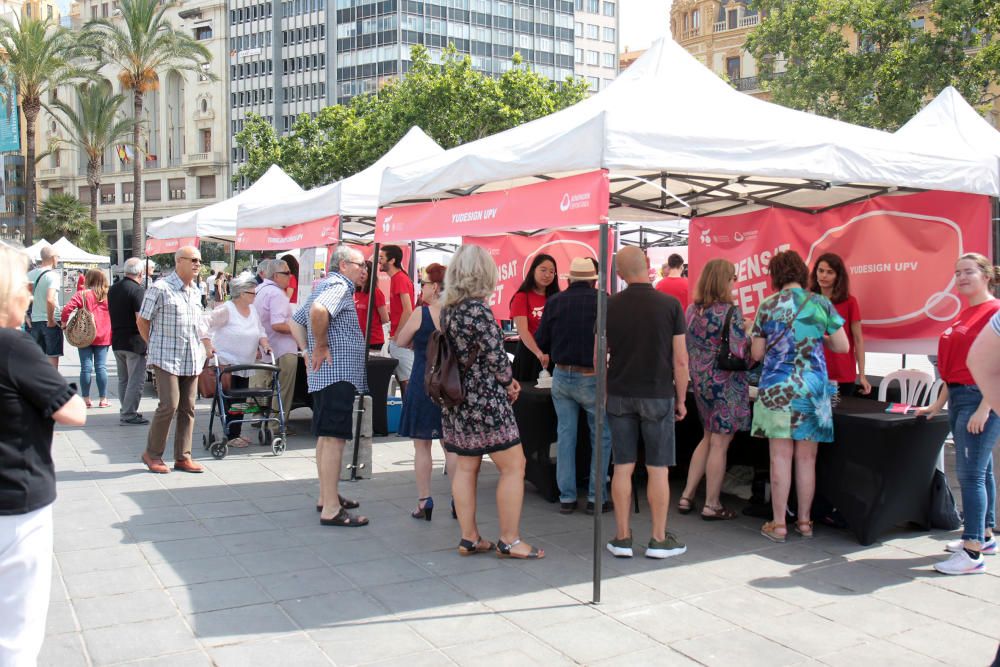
[(81, 330), (443, 377)]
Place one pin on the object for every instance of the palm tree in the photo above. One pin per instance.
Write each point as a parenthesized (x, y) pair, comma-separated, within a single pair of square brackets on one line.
[(63, 214), (142, 43), (95, 128), (37, 57)]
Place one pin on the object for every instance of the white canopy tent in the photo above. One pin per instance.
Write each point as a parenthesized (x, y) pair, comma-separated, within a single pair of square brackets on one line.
[(951, 121), (69, 253), (218, 221), (353, 198), (34, 250), (677, 139)]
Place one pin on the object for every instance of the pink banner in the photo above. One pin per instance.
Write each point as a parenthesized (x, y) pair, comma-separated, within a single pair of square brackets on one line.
[(563, 202), (164, 246), (313, 234), (900, 253), (513, 255)]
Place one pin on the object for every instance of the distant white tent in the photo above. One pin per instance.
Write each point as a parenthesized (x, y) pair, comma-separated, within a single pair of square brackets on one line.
[(950, 121), (67, 252), (35, 249)]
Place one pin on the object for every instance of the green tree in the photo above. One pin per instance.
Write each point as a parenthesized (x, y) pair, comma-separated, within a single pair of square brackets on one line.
[(64, 215), (451, 102), (37, 57), (141, 43), (872, 62), (93, 129)]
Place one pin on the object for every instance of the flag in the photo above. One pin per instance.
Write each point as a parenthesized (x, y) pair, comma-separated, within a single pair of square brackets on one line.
[(122, 153)]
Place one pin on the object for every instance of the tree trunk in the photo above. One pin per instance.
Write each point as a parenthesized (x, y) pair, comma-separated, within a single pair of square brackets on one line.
[(138, 242), (93, 180), (30, 109)]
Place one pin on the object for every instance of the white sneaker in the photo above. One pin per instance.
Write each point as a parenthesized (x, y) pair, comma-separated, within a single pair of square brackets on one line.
[(621, 548), (961, 563), (989, 547)]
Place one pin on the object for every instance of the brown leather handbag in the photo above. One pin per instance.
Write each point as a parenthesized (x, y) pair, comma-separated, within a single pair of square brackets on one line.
[(81, 329), (443, 376)]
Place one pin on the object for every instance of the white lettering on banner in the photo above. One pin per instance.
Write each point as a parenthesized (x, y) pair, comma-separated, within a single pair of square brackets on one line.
[(284, 239), (749, 296), (755, 266), (884, 267), (508, 270), (497, 297), (474, 216)]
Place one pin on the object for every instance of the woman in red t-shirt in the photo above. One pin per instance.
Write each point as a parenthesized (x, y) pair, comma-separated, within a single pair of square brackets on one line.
[(829, 278), (974, 425), (377, 339), (526, 308)]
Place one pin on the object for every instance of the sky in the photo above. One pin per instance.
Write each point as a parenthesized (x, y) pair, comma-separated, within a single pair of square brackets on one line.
[(641, 22)]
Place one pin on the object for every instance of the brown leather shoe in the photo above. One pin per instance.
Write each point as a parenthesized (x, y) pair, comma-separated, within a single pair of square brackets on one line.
[(155, 465), (187, 465)]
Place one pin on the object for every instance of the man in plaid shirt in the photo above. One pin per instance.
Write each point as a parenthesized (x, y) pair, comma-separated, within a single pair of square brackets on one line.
[(326, 326), (170, 321)]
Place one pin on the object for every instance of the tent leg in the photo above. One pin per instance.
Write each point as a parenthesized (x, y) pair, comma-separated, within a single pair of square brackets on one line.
[(598, 470)]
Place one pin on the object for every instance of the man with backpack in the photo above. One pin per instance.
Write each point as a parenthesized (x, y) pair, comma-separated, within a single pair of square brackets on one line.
[(46, 281)]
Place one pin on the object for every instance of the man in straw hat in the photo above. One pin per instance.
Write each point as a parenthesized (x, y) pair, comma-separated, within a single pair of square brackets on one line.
[(566, 334)]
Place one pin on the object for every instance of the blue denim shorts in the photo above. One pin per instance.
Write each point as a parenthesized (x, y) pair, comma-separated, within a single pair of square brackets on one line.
[(653, 418), (50, 339)]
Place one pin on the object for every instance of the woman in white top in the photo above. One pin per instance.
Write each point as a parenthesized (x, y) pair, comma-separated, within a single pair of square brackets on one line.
[(234, 334)]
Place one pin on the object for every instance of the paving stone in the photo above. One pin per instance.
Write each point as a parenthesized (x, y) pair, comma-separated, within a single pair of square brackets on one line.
[(198, 571), (290, 650), (936, 602), (135, 641), (391, 570), (113, 610), (189, 659), (732, 603), (948, 643), (738, 646), (661, 655), (342, 608), (361, 643), (813, 635), (163, 532), (96, 538), (878, 652), (98, 560), (506, 650), (258, 542), (214, 595), (60, 618), (175, 551), (280, 560), (231, 525), (593, 639), (299, 583), (871, 615), (231, 626), (111, 582), (450, 625), (63, 650), (673, 621)]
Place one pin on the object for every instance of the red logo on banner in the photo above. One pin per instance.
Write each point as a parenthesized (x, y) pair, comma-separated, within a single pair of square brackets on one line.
[(164, 246), (563, 202), (305, 235), (900, 253)]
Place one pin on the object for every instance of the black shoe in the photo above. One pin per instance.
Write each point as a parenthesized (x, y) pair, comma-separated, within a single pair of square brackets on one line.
[(605, 507), (137, 419), (567, 508)]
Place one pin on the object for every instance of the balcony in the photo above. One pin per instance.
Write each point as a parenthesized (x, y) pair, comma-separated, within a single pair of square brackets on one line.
[(748, 21), (192, 159), (746, 84)]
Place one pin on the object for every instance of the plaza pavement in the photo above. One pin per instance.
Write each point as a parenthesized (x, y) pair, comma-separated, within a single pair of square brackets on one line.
[(231, 567)]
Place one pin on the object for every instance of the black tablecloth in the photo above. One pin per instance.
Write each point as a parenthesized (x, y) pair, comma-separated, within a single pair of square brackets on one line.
[(379, 373)]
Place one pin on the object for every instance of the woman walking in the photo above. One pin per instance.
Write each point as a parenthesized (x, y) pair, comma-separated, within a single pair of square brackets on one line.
[(94, 357), (484, 422), (722, 396), (829, 278), (974, 423), (421, 418), (526, 308), (793, 407)]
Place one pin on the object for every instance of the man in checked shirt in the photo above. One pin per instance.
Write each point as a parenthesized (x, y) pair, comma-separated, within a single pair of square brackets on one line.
[(170, 321), (326, 326)]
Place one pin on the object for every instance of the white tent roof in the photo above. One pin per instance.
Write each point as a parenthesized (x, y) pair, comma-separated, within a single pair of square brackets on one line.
[(951, 121), (35, 249), (219, 220), (67, 252), (354, 196), (670, 120)]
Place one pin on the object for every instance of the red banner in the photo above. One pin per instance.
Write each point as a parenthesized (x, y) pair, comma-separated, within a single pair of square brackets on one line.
[(564, 202), (900, 253), (513, 255), (313, 234), (164, 246)]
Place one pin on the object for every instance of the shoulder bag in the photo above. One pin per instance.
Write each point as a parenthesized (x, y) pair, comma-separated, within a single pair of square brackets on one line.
[(81, 330), (443, 377), (726, 360), (27, 313)]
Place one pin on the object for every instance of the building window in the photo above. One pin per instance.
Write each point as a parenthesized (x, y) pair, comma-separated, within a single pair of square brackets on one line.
[(206, 141), (594, 6), (152, 190), (203, 32), (609, 35), (206, 187), (592, 57), (731, 20), (83, 194), (696, 21), (609, 9), (578, 29), (108, 194), (593, 31), (608, 60), (175, 187), (594, 82), (733, 68), (127, 193), (578, 55)]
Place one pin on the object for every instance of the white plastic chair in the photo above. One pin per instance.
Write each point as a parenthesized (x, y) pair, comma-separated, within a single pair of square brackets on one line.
[(914, 386)]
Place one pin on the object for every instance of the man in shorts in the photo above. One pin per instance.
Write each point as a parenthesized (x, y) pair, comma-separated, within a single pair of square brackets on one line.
[(326, 326), (46, 282), (647, 371), (390, 260)]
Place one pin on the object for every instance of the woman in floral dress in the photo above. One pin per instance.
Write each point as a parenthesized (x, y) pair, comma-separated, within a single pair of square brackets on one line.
[(722, 396), (484, 422), (793, 406)]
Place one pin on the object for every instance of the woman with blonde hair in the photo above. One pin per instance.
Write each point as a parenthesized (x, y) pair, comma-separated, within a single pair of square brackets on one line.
[(484, 422), (974, 422), (94, 357), (33, 395), (721, 395)]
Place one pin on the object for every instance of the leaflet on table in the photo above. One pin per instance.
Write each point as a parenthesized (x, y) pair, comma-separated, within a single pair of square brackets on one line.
[(901, 408)]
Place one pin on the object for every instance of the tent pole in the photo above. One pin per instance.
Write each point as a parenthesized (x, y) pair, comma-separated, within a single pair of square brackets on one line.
[(597, 471), (412, 268)]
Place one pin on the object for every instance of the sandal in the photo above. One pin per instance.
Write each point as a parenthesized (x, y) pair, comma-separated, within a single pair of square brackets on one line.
[(345, 519), (469, 548), (87, 403), (719, 513), (685, 505), (238, 443), (344, 503), (104, 403), (504, 551), (770, 531), (805, 529)]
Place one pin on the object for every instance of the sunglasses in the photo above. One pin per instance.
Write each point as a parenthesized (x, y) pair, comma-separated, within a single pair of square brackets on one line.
[(193, 260)]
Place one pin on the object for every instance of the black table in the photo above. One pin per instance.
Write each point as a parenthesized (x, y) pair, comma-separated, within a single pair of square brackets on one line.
[(380, 371)]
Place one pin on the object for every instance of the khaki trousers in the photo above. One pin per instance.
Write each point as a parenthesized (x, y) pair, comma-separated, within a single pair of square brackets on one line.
[(288, 365), (177, 396)]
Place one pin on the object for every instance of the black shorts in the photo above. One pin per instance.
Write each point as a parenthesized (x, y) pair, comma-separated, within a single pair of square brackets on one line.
[(333, 411), (50, 339)]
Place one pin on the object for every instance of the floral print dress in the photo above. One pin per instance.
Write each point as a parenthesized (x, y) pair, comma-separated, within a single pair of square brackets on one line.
[(484, 422), (722, 397), (794, 397)]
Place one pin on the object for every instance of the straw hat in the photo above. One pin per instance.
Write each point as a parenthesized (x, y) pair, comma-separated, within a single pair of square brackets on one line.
[(581, 268)]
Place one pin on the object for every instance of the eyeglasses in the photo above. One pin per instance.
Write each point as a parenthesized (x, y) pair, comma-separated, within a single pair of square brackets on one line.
[(360, 264), (193, 260), (282, 273)]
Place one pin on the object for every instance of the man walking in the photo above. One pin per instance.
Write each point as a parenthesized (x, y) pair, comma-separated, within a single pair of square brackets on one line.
[(46, 282), (566, 334), (390, 260), (124, 302), (274, 310), (326, 326), (170, 323), (647, 382), (673, 283)]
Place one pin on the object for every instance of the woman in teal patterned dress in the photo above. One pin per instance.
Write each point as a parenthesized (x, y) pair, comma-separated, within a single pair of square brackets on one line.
[(793, 406)]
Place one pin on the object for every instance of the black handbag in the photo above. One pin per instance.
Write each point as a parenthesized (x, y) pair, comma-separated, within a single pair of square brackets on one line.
[(943, 514), (726, 360)]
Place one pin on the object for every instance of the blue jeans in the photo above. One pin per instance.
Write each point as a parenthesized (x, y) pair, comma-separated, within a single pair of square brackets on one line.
[(974, 460), (94, 361), (570, 392)]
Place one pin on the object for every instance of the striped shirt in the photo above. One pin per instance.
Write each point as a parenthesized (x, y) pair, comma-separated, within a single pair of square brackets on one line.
[(175, 326), (995, 323), (347, 343)]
